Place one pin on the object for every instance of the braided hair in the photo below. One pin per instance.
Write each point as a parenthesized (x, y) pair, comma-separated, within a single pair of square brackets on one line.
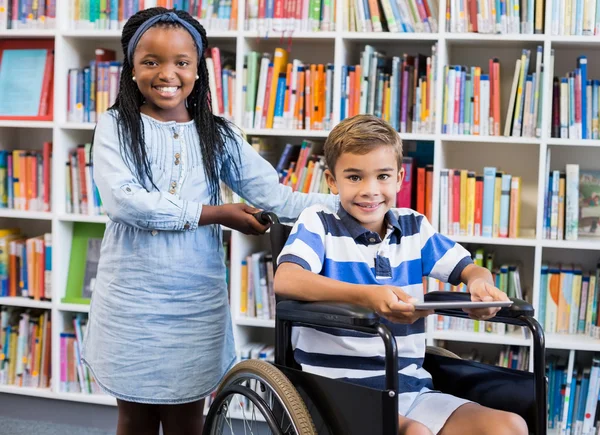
[(213, 130)]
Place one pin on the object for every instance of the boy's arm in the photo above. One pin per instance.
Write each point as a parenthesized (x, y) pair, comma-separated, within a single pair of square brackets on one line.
[(480, 284)]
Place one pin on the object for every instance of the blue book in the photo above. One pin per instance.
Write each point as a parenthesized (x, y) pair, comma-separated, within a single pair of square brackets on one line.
[(572, 398), (280, 96), (505, 204), (582, 65), (487, 219), (344, 96)]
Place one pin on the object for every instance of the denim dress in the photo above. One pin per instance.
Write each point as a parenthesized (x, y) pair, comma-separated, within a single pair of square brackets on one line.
[(160, 330)]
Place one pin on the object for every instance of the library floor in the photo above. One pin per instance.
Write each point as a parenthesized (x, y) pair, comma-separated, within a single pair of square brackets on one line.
[(13, 426)]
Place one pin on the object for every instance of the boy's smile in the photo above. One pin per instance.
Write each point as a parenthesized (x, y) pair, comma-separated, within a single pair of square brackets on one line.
[(367, 185), (165, 68)]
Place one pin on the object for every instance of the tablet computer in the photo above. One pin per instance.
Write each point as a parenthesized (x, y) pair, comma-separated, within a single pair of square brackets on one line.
[(461, 304)]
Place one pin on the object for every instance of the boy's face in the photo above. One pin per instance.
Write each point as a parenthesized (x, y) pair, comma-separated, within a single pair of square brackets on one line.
[(367, 185)]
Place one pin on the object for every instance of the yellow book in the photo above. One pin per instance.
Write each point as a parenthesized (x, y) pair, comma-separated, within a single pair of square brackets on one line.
[(470, 203), (12, 357), (388, 96), (445, 111), (280, 60), (16, 173), (561, 205), (244, 289), (514, 220), (463, 202), (424, 103), (575, 300), (564, 300), (590, 307), (497, 196)]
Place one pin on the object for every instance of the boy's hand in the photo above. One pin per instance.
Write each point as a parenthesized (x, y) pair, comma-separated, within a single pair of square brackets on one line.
[(394, 304), (483, 291)]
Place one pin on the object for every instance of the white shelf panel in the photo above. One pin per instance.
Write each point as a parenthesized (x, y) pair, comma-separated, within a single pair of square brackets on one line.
[(588, 244), (574, 142), (27, 391), (25, 124), (285, 36), (25, 303), (92, 34), (495, 241), (577, 342), (78, 125), (512, 339), (102, 219), (495, 39), (27, 33), (251, 321), (97, 399), (489, 139), (389, 36), (574, 41), (418, 136), (24, 214), (74, 308), (286, 133)]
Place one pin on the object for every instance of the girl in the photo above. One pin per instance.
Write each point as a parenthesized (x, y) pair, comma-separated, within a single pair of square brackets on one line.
[(159, 337)]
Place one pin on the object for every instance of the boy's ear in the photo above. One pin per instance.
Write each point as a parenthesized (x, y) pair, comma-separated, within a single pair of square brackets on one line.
[(331, 182), (400, 179)]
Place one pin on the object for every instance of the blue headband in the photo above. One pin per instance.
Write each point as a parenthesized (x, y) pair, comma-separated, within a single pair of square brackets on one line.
[(168, 17)]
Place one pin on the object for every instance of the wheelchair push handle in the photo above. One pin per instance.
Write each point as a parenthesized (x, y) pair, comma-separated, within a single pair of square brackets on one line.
[(266, 217)]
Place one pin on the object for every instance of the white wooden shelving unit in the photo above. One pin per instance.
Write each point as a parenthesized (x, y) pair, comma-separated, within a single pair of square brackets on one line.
[(519, 156)]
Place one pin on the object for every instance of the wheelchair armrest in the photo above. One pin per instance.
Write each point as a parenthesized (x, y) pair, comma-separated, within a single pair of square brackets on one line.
[(508, 315), (330, 314)]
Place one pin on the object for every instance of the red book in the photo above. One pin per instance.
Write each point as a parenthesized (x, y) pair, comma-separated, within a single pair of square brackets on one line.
[(478, 205), (428, 191), (421, 190), (403, 198), (46, 174)]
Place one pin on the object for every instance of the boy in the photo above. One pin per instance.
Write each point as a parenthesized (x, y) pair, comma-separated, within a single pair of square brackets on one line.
[(371, 254)]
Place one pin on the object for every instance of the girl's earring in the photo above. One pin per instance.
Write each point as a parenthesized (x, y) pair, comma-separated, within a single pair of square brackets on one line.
[(133, 78), (197, 76)]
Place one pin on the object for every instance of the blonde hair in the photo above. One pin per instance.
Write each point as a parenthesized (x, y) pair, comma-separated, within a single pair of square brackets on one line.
[(360, 135)]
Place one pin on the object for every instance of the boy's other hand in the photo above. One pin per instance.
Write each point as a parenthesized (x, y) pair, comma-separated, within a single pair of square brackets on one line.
[(394, 304), (483, 291), (235, 216)]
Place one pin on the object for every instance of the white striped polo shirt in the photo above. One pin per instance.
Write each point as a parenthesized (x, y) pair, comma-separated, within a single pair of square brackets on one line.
[(335, 245)]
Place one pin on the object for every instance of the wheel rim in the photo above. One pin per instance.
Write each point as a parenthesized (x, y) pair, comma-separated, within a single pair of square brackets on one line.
[(236, 407)]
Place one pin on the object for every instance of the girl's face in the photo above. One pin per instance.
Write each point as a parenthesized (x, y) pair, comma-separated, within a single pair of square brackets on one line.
[(165, 67)]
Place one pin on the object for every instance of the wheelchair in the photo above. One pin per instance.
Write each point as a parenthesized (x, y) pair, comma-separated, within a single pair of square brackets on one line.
[(293, 402)]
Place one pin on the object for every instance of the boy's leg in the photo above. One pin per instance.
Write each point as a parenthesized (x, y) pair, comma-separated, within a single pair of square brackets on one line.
[(406, 426), (137, 418), (474, 419), (184, 419)]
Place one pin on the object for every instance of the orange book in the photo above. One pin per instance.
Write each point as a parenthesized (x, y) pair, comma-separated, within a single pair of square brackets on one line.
[(351, 80), (309, 174), (268, 93), (478, 205), (429, 192), (300, 100), (496, 100), (288, 91), (421, 190), (356, 90), (424, 101), (233, 24), (308, 103), (279, 65), (476, 101)]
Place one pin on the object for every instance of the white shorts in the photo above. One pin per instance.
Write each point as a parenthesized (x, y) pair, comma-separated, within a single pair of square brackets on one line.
[(433, 409)]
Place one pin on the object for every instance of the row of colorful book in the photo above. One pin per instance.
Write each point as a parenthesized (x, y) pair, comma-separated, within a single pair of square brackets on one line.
[(569, 300), (575, 104), (406, 16), (113, 14), (416, 191), (571, 202), (510, 357), (400, 90), (573, 391), (91, 90), (25, 179), (25, 347), (74, 375), (472, 99), (25, 265), (283, 95), (257, 297), (27, 14), (575, 17), (495, 16), (506, 278), (302, 167), (487, 205), (82, 196), (290, 15), (257, 351)]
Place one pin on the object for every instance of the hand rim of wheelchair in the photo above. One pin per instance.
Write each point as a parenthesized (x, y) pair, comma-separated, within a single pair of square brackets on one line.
[(275, 382)]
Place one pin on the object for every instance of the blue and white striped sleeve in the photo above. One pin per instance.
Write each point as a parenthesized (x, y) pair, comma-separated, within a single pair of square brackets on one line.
[(306, 244), (441, 258)]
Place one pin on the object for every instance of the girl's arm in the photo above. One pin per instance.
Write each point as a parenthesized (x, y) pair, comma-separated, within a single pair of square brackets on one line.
[(258, 183), (123, 196)]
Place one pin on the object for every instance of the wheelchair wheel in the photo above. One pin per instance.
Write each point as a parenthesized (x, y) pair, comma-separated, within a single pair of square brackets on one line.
[(256, 387)]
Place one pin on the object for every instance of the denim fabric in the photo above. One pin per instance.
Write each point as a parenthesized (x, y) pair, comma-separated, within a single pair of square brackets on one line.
[(160, 328)]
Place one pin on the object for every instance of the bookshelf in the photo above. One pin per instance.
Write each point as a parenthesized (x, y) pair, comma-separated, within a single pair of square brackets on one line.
[(523, 156)]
